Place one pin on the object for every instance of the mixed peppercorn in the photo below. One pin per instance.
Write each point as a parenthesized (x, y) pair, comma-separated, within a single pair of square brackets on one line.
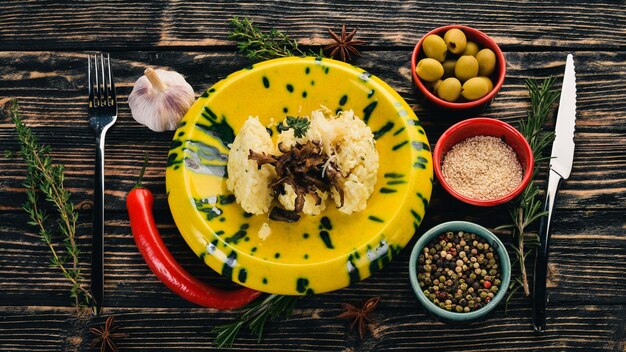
[(459, 271)]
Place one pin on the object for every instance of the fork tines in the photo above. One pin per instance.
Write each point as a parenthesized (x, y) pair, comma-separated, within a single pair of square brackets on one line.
[(101, 87)]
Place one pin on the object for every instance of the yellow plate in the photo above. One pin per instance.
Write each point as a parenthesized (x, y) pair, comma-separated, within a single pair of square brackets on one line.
[(318, 253)]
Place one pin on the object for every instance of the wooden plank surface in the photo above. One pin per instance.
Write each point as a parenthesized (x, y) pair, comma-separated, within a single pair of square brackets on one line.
[(42, 63), (587, 248), (58, 115), (575, 327), (84, 25)]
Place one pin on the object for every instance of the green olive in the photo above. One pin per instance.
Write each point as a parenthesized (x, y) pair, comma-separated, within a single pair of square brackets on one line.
[(475, 88), (435, 85), (449, 89), (455, 40), (486, 62), (448, 68), (489, 83), (429, 69), (471, 49), (435, 47), (466, 67)]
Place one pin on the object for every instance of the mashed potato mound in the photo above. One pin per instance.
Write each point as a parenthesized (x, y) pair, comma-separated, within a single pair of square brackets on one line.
[(345, 139), (246, 180), (288, 200)]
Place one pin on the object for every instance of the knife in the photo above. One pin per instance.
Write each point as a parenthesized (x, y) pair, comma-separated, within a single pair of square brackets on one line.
[(561, 161)]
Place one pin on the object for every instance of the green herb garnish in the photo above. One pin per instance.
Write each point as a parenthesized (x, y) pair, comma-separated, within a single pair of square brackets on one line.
[(257, 45), (528, 208), (299, 125), (255, 316), (44, 177)]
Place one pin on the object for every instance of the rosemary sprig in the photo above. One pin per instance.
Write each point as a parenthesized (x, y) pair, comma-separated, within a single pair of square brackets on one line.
[(257, 45), (255, 316), (47, 178), (527, 209)]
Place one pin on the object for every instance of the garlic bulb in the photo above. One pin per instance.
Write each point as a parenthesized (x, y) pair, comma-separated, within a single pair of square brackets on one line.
[(160, 99)]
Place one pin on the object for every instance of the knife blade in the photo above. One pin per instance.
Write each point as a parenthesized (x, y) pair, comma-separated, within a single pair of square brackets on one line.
[(561, 162)]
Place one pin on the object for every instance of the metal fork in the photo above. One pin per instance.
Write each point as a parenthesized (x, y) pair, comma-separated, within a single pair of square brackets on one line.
[(102, 115)]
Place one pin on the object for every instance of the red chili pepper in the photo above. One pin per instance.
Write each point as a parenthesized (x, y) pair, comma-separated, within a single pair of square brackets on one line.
[(139, 203)]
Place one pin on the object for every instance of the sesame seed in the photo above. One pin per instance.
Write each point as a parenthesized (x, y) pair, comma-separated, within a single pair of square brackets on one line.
[(482, 168)]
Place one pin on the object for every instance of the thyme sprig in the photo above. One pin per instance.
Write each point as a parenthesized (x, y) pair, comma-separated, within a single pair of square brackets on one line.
[(255, 316), (45, 177), (299, 125), (528, 208), (258, 45)]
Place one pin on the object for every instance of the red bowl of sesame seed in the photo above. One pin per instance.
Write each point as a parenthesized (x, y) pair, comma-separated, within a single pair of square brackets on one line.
[(483, 161)]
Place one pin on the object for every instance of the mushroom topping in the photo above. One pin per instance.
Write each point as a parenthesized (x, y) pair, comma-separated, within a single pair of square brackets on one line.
[(305, 168)]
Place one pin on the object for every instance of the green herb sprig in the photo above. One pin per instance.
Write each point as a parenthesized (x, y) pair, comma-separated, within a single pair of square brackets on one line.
[(528, 208), (257, 45), (44, 177), (255, 316), (299, 125)]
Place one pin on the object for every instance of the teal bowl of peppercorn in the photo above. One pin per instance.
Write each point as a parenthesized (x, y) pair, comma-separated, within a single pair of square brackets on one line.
[(459, 271)]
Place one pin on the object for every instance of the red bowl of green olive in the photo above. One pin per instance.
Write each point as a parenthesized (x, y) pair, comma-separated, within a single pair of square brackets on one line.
[(458, 68)]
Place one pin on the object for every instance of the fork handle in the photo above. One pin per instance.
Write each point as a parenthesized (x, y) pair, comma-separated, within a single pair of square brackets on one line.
[(97, 244)]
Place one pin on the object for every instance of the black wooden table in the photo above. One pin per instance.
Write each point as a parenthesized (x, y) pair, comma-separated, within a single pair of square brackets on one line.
[(43, 45)]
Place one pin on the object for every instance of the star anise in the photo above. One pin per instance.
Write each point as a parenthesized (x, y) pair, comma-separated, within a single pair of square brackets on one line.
[(344, 45), (360, 316), (105, 336)]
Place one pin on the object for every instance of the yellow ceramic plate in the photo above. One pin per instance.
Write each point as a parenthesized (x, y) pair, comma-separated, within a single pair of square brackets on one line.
[(318, 253)]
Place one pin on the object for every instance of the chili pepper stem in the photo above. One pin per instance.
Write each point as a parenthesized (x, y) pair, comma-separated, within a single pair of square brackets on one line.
[(143, 170)]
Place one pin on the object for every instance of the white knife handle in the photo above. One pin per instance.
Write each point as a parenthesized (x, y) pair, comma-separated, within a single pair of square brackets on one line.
[(541, 260)]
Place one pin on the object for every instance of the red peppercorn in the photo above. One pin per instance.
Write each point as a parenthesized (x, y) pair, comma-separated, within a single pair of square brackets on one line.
[(487, 284)]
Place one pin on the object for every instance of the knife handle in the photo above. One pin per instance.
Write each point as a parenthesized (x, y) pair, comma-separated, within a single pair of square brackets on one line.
[(541, 259)]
